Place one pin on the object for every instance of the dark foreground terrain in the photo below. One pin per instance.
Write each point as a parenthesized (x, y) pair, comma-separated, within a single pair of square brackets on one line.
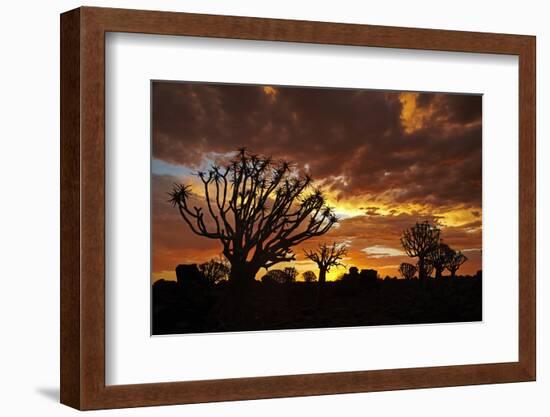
[(197, 308)]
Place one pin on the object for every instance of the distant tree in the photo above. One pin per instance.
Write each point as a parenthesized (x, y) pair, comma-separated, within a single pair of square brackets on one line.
[(309, 276), (257, 209), (439, 258), (215, 270), (419, 241), (291, 273), (275, 276), (427, 270), (456, 260), (326, 257), (407, 270)]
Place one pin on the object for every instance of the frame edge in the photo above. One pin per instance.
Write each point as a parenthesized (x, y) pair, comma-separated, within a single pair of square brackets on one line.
[(70, 358), (82, 370), (527, 208)]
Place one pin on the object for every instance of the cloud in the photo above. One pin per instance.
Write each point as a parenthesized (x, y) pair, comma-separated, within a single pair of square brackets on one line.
[(353, 141), (379, 251)]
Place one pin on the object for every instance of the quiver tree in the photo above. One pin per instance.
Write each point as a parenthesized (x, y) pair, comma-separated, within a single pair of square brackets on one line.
[(456, 260), (257, 209), (407, 270), (419, 241), (439, 258), (426, 270), (275, 276), (326, 256), (309, 276), (291, 273), (215, 270)]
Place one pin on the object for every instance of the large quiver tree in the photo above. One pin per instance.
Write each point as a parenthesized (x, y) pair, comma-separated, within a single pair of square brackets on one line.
[(419, 241), (257, 209)]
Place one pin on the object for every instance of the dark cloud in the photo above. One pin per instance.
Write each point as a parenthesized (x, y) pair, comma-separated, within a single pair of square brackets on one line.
[(453, 108), (352, 140)]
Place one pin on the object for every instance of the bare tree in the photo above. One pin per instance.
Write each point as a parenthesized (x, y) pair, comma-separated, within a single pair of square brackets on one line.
[(291, 273), (257, 209), (407, 270), (309, 276), (456, 260), (419, 241), (427, 269), (215, 270), (439, 258), (326, 256)]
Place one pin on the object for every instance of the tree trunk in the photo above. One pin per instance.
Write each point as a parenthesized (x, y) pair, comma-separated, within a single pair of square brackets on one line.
[(322, 275), (238, 302), (438, 272), (421, 270), (242, 272), (453, 273)]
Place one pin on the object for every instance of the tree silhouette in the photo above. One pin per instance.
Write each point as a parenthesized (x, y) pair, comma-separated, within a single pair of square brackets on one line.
[(439, 258), (326, 256), (456, 260), (426, 270), (291, 273), (407, 270), (309, 276), (215, 270), (257, 209), (275, 275), (419, 241)]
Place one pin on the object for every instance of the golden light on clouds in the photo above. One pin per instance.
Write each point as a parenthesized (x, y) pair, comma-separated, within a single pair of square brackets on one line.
[(271, 92), (458, 217), (413, 116)]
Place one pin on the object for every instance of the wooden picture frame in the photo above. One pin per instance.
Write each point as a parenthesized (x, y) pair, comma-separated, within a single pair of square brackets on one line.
[(83, 203)]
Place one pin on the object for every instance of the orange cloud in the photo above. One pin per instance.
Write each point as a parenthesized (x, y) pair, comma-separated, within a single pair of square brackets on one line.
[(271, 92), (414, 117)]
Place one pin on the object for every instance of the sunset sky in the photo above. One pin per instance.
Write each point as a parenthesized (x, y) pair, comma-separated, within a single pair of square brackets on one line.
[(384, 160)]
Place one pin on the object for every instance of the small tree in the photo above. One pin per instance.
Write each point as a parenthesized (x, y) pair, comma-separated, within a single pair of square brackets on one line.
[(309, 276), (275, 275), (291, 273), (326, 257), (419, 241), (407, 270), (456, 260), (257, 209), (215, 270), (427, 269), (439, 258)]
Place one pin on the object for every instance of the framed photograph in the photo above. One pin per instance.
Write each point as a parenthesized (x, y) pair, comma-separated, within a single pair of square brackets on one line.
[(260, 208)]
